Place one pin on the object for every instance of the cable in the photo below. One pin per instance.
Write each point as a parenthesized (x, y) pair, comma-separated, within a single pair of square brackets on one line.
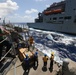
[(6, 54), (3, 40)]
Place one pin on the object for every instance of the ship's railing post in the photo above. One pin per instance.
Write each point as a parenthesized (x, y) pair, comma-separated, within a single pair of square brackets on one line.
[(14, 69)]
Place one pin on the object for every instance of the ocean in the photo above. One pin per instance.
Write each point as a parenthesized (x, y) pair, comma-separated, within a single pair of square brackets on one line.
[(63, 45)]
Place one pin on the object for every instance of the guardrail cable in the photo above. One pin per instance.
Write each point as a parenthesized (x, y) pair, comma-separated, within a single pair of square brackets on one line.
[(4, 57), (6, 54), (3, 40)]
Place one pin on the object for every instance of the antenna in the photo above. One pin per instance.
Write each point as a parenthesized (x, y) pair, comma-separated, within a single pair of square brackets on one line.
[(4, 21)]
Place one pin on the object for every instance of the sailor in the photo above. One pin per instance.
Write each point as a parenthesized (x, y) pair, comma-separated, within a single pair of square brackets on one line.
[(51, 61), (27, 63), (6, 43), (45, 59), (31, 41), (36, 59)]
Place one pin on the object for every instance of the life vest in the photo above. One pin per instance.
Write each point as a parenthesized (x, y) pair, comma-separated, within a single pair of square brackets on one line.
[(45, 59), (31, 40), (52, 58)]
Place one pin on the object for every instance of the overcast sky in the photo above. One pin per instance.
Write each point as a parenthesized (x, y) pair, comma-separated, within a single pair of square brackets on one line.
[(23, 10)]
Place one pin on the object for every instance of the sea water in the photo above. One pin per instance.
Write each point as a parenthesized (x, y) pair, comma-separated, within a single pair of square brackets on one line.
[(63, 45)]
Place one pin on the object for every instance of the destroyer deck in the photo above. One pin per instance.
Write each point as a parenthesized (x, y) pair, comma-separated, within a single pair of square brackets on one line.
[(17, 69)]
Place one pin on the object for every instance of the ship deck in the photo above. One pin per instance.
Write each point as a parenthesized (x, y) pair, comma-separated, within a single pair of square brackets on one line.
[(17, 69)]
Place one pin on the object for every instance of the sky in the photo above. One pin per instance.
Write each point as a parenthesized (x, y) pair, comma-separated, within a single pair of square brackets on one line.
[(23, 10)]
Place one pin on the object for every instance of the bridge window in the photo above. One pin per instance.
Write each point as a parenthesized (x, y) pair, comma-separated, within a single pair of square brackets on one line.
[(67, 17), (60, 17), (54, 18)]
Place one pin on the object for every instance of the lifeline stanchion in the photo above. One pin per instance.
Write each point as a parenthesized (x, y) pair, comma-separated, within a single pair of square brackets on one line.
[(14, 67)]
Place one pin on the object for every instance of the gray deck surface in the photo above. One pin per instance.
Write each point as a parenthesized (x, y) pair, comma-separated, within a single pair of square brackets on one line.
[(39, 71)]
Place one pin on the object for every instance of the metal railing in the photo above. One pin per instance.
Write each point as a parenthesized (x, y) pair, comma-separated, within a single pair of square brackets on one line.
[(4, 57), (11, 48), (3, 40)]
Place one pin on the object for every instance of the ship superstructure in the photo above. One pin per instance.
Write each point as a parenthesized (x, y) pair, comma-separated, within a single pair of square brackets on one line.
[(59, 16)]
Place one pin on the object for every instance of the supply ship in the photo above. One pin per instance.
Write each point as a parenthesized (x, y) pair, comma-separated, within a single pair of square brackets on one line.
[(59, 17)]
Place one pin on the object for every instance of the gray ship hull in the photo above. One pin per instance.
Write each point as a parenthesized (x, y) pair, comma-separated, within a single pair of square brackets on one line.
[(54, 27)]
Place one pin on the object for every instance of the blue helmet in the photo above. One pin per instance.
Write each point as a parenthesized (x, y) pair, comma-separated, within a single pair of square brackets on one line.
[(26, 56), (36, 53), (45, 55)]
